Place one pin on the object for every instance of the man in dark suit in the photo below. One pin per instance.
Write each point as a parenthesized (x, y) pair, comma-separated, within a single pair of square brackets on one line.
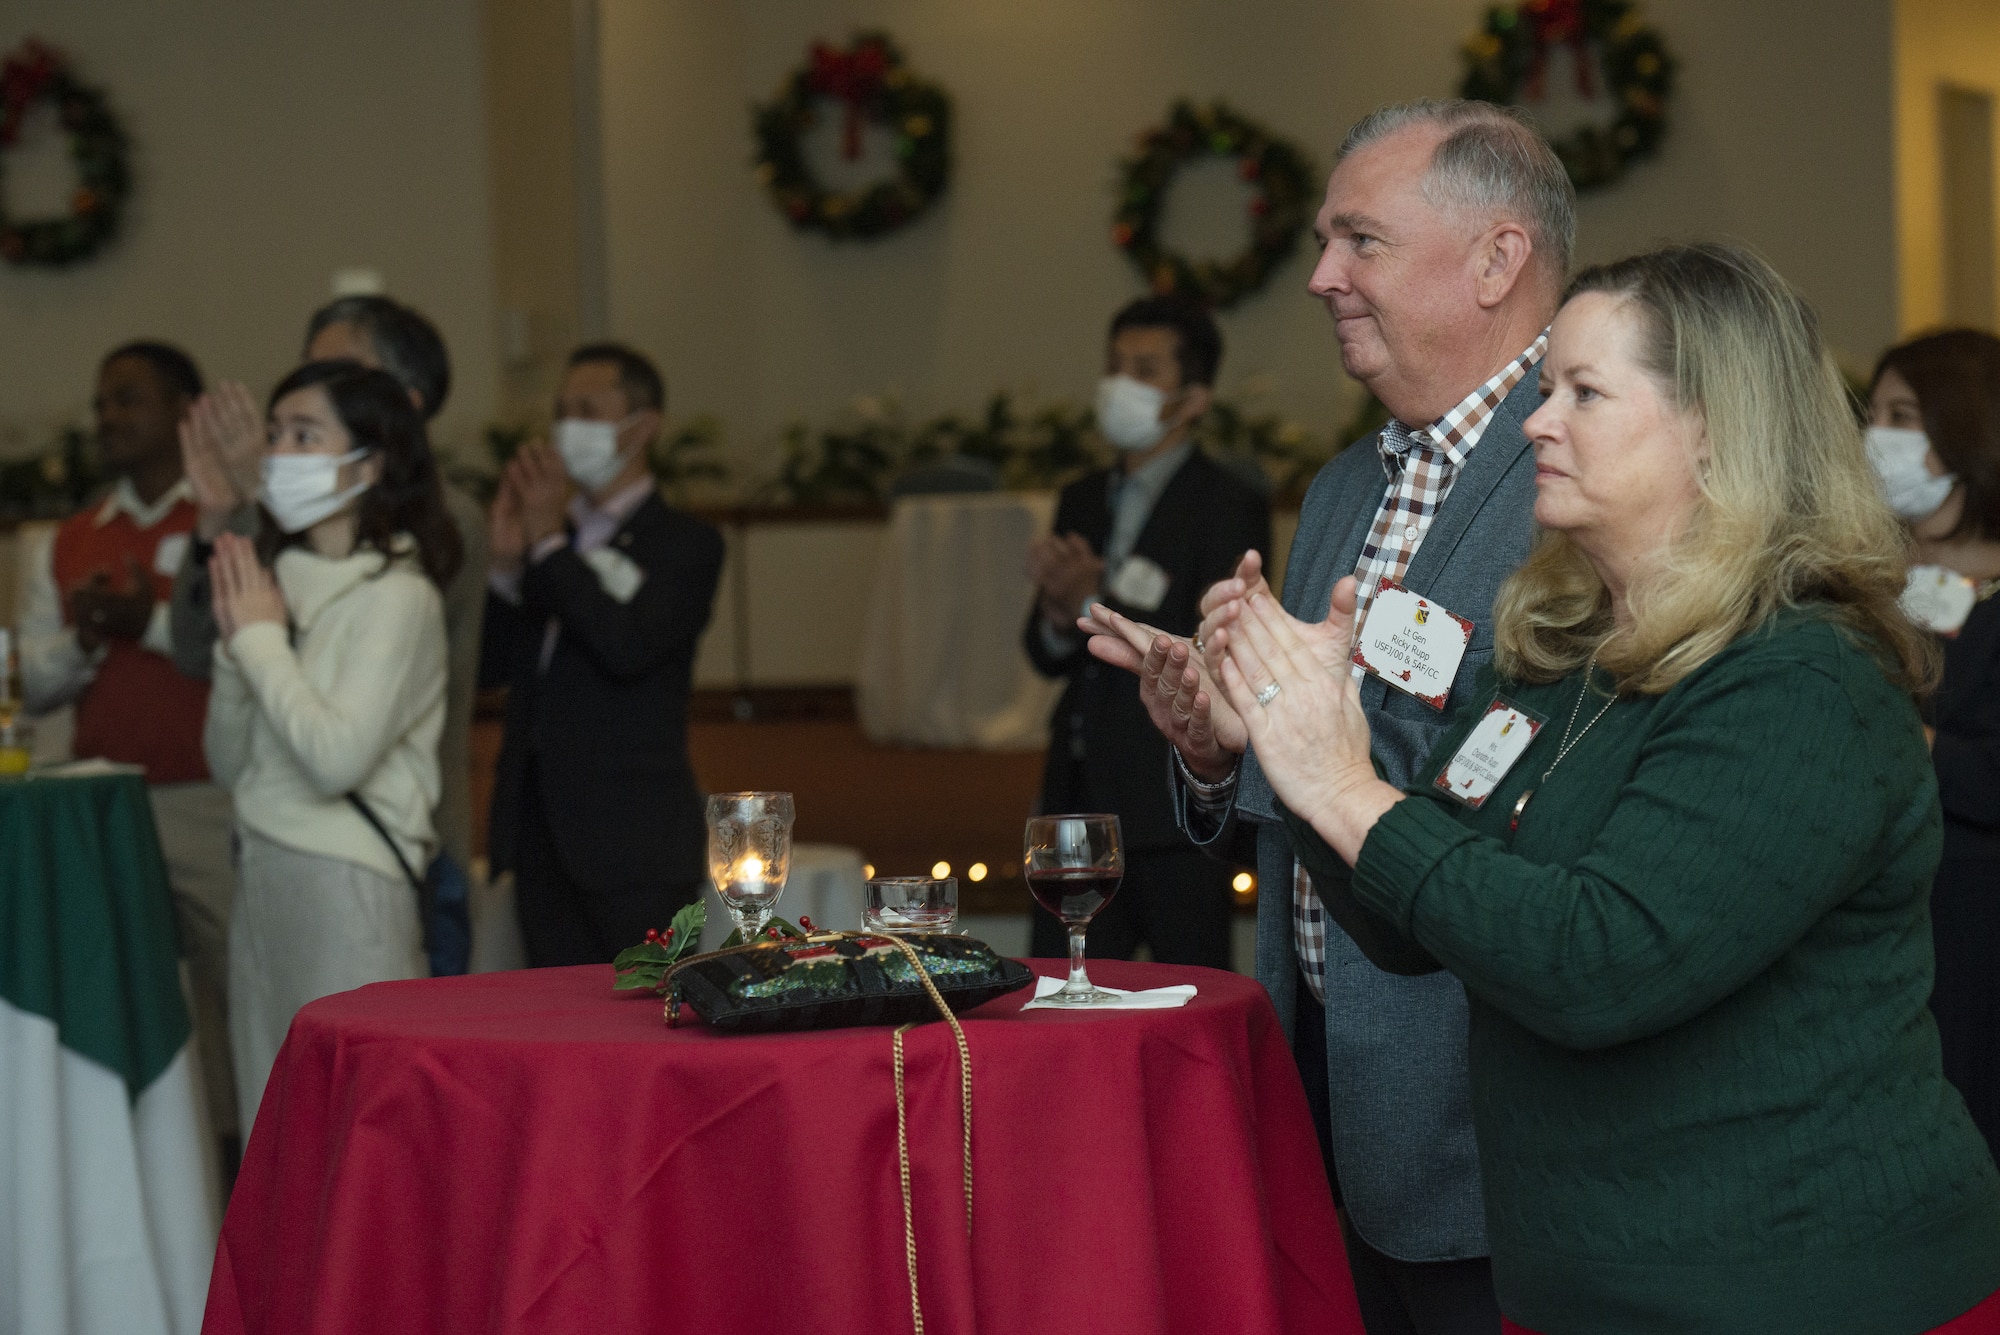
[(1147, 535), (599, 591), (1446, 231)]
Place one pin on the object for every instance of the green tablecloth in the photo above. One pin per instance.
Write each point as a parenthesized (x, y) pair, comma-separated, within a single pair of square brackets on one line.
[(86, 921), (108, 1223)]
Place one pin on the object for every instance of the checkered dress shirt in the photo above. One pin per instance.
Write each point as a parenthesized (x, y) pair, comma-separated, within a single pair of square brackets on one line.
[(1420, 466)]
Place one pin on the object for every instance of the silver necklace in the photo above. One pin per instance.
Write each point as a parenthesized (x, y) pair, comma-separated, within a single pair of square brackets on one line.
[(1589, 671)]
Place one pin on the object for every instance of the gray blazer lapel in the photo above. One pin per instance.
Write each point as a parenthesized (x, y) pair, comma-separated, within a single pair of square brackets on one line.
[(1344, 499), (1499, 446)]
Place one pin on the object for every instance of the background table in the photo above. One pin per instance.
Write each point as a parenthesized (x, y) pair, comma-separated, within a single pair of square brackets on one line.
[(942, 664), (107, 1218), (528, 1152)]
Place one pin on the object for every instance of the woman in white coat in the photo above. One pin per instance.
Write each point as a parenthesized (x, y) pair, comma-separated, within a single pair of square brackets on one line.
[(329, 686)]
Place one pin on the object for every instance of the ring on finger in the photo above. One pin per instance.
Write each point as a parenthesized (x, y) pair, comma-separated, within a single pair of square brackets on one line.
[(1268, 694)]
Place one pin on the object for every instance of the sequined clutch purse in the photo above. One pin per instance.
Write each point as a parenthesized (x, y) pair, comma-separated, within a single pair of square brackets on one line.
[(829, 980)]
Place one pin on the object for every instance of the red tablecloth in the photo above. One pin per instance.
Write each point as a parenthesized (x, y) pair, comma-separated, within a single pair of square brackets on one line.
[(530, 1152)]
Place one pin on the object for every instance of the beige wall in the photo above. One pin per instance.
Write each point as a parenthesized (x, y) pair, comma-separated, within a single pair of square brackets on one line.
[(1937, 42), (1780, 137), (273, 144), (276, 143), (531, 122)]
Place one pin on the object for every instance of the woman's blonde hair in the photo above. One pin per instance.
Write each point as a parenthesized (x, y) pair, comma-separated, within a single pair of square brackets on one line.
[(1789, 512)]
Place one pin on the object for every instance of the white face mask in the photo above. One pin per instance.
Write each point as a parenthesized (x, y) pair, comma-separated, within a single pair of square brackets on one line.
[(590, 451), (1898, 458), (1128, 412), (302, 489)]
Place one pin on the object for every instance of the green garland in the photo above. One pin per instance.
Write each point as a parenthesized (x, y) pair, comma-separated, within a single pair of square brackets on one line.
[(1280, 209), (871, 79), (36, 73), (1507, 60)]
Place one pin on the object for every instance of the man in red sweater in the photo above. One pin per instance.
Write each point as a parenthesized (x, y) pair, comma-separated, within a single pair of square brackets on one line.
[(94, 635)]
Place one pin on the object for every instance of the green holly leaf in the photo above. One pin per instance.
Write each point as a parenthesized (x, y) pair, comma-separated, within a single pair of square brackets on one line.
[(687, 928), (784, 929), (646, 964), (646, 952)]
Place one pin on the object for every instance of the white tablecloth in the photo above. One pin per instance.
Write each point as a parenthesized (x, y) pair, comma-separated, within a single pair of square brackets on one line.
[(943, 664), (107, 1208)]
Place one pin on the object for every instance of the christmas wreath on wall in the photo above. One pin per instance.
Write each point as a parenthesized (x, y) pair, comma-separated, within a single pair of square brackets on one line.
[(35, 73), (1282, 179), (871, 81), (1507, 62)]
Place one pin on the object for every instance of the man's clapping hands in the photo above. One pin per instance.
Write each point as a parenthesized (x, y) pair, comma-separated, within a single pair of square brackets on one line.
[(1183, 683), (222, 454)]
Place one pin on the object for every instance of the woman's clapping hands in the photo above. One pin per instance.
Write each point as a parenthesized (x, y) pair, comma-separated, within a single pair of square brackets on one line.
[(242, 591)]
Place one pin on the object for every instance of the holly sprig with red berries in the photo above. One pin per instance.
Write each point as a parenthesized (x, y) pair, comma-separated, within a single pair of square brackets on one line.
[(1284, 186), (34, 73), (646, 965)]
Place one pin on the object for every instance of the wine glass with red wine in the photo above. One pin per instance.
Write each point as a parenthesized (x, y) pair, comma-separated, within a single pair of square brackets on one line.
[(1074, 865)]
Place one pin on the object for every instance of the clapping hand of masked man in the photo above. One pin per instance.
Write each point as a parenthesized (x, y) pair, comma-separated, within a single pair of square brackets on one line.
[(532, 504), (1066, 573)]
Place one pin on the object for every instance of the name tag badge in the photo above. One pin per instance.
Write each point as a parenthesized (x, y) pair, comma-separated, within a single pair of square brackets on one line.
[(1412, 643), (1140, 583), (1488, 752), (167, 557), (1938, 599), (618, 574)]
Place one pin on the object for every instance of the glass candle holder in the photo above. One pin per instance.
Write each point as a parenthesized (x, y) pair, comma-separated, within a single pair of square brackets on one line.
[(750, 854), (901, 905)]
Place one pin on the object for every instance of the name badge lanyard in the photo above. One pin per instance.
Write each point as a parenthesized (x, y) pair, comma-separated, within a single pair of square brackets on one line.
[(1521, 802)]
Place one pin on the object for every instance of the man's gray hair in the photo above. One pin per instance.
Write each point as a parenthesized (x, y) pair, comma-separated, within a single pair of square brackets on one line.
[(1491, 161)]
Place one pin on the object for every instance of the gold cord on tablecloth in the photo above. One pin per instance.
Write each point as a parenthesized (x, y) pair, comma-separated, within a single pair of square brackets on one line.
[(902, 1116), (902, 1127)]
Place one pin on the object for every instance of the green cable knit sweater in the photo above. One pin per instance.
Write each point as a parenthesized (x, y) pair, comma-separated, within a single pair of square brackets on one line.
[(1705, 1084)]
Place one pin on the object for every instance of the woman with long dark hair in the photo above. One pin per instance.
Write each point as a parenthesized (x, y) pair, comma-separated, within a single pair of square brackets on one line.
[(328, 701), (1934, 439)]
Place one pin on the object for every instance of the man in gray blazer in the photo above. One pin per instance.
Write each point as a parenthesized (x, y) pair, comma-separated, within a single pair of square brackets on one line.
[(1447, 231)]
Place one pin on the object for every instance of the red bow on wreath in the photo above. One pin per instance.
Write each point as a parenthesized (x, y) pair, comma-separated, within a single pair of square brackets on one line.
[(1558, 23), (852, 77), (23, 78)]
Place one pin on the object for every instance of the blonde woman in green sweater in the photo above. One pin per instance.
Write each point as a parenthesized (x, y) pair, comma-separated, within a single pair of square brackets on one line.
[(1692, 910)]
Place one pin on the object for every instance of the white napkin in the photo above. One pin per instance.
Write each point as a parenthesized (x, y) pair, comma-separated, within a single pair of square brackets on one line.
[(1152, 999), (95, 767)]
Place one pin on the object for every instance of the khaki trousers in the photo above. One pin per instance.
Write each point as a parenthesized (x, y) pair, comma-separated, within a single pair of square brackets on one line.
[(306, 927)]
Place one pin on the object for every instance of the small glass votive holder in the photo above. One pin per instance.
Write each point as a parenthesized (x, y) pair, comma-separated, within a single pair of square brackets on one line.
[(903, 905)]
